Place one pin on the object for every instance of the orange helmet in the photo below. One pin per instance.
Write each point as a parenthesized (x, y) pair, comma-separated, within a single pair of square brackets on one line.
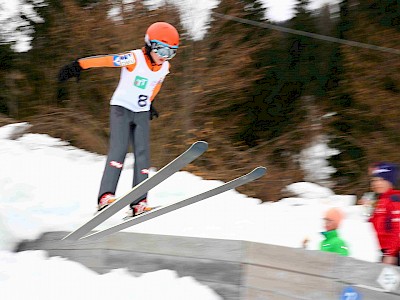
[(163, 33)]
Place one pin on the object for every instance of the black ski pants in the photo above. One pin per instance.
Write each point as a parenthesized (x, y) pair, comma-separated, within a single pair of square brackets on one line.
[(126, 126)]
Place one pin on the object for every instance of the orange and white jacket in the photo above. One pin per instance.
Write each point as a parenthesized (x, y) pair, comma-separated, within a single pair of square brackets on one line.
[(140, 81)]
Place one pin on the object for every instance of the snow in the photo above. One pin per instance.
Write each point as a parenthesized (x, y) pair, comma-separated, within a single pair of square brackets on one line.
[(48, 185), (314, 161), (41, 279), (309, 190)]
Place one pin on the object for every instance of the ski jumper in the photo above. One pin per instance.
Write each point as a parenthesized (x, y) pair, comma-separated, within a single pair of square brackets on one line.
[(139, 83)]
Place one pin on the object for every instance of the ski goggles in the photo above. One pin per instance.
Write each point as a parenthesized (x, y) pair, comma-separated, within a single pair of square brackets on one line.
[(163, 50)]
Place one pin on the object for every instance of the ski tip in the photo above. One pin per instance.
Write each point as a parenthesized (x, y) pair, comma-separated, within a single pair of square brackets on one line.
[(200, 146), (259, 171)]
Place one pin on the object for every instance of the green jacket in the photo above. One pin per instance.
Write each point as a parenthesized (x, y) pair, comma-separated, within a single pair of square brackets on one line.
[(333, 243)]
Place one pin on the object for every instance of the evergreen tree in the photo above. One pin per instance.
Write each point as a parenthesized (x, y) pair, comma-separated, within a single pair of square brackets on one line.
[(336, 68), (340, 100), (6, 64), (235, 59), (289, 68), (386, 12), (303, 50)]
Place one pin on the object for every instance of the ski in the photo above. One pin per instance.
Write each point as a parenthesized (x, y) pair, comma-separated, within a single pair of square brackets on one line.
[(253, 175), (194, 151)]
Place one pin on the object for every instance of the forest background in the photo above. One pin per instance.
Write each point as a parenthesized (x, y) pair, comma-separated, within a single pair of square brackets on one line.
[(258, 96)]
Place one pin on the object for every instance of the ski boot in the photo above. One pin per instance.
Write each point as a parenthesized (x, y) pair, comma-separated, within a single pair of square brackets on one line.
[(106, 200)]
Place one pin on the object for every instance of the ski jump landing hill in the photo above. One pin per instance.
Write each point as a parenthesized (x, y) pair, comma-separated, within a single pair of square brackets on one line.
[(234, 269)]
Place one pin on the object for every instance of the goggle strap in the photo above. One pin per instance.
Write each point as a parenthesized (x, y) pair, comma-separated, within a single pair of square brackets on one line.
[(164, 44)]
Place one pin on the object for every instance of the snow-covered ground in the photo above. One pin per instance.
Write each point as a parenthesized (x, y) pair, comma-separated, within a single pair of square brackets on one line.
[(48, 185)]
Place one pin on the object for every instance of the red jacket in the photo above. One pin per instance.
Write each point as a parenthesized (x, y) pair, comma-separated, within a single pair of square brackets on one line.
[(386, 221)]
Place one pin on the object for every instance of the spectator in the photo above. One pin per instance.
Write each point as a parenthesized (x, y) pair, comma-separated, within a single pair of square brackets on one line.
[(333, 242), (386, 215)]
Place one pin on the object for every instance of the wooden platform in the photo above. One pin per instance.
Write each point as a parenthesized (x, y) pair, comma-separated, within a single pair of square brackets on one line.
[(234, 269)]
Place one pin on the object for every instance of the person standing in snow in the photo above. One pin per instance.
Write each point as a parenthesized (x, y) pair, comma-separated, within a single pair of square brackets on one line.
[(386, 215), (333, 242), (142, 74)]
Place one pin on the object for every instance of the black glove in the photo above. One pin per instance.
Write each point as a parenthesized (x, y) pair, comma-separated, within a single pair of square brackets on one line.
[(153, 112), (68, 71)]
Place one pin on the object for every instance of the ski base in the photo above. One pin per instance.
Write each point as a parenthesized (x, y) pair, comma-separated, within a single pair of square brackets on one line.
[(253, 175)]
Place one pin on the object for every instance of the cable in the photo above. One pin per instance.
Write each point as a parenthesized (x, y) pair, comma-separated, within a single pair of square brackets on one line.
[(308, 34)]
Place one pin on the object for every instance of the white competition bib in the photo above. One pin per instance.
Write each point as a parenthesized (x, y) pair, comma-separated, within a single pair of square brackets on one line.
[(135, 88)]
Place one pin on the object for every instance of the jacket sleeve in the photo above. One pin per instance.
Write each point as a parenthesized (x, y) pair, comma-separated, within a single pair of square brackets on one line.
[(394, 216), (156, 90), (158, 87), (127, 59)]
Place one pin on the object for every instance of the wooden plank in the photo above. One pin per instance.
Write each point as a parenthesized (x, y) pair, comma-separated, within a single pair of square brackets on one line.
[(359, 272), (91, 258), (370, 294), (225, 250), (291, 284), (291, 259), (202, 269), (256, 294)]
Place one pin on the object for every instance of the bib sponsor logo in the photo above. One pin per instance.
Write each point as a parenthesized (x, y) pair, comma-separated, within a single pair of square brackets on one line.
[(140, 82), (123, 60)]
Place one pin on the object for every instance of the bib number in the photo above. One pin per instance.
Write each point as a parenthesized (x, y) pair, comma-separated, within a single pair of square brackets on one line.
[(142, 102)]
